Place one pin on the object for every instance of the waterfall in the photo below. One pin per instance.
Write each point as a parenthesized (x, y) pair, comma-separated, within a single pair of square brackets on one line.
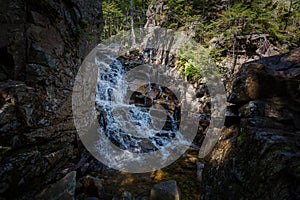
[(143, 115), (142, 123)]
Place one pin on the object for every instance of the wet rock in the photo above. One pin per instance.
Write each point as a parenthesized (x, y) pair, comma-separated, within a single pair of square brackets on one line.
[(63, 189), (167, 190)]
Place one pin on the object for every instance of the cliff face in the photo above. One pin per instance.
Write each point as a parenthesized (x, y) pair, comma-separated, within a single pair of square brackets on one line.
[(257, 156), (42, 44)]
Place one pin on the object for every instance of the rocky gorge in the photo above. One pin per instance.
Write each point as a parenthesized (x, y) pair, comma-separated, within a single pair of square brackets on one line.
[(42, 45)]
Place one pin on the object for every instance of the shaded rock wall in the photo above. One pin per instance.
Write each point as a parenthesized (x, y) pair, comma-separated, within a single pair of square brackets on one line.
[(257, 156), (42, 44)]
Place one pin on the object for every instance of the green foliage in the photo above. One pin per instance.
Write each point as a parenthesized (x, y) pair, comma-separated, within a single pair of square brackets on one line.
[(187, 69), (182, 15), (226, 21), (112, 15), (193, 60), (81, 30), (276, 18), (84, 22), (234, 21), (111, 9), (117, 15)]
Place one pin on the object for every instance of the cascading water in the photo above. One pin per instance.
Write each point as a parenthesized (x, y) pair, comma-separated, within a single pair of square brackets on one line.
[(148, 115), (138, 121)]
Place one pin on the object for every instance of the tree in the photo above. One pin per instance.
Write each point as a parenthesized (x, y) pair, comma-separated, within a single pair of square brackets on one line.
[(122, 15), (132, 24)]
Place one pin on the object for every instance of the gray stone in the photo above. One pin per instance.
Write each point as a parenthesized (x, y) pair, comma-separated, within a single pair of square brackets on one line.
[(126, 196), (200, 167), (167, 190), (64, 189)]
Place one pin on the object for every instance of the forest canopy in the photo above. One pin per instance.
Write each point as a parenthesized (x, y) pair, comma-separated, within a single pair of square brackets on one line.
[(228, 27)]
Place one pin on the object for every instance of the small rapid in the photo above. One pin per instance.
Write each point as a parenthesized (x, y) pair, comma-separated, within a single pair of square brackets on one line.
[(138, 121)]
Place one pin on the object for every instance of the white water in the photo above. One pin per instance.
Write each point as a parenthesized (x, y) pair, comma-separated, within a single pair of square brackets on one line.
[(138, 129)]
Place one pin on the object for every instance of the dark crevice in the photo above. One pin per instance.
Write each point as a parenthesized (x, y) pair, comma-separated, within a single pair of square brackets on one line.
[(6, 64)]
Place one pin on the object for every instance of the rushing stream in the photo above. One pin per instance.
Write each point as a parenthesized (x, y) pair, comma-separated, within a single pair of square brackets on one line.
[(139, 121)]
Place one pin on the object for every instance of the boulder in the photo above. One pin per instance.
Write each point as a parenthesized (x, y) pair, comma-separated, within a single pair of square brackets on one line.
[(167, 190), (64, 189)]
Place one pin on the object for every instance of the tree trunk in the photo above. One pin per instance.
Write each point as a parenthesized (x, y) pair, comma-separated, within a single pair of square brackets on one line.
[(287, 18), (132, 25)]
